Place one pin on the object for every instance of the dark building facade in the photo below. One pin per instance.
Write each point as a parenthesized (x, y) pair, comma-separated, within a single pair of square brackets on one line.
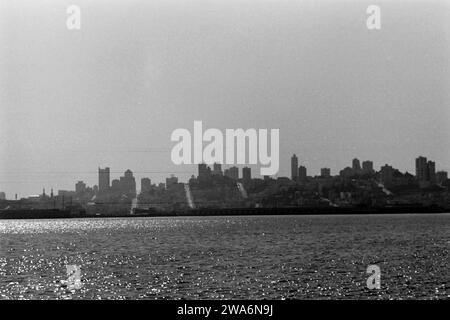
[(103, 179), (232, 173), (146, 185), (302, 174), (128, 183), (246, 174), (294, 167)]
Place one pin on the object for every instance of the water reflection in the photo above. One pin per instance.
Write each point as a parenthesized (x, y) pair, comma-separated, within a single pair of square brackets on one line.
[(226, 257)]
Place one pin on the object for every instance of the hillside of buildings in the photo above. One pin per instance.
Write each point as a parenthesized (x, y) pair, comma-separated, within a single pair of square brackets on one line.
[(356, 186)]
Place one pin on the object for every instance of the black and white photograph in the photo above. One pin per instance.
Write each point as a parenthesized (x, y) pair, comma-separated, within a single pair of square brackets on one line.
[(241, 152)]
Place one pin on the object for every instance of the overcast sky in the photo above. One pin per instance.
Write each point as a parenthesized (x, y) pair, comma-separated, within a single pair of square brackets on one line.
[(111, 93)]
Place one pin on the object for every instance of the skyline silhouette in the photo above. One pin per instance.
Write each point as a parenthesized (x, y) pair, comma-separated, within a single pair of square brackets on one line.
[(86, 176)]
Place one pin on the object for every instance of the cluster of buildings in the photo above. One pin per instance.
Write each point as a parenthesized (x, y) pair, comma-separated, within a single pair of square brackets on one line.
[(425, 173), (355, 185), (204, 171), (299, 173), (124, 185)]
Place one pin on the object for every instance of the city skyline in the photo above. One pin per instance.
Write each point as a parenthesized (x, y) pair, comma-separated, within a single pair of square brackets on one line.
[(105, 177)]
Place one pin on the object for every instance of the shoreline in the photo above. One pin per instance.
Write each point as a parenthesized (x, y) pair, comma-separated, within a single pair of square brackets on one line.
[(211, 212)]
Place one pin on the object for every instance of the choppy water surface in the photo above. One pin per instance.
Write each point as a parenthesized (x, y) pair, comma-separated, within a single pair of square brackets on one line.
[(292, 257)]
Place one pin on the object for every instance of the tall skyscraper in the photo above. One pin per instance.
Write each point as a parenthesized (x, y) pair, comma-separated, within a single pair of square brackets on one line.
[(146, 185), (128, 183), (246, 174), (356, 166), (421, 168), (431, 172), (294, 167), (103, 180), (302, 173), (425, 170), (387, 174)]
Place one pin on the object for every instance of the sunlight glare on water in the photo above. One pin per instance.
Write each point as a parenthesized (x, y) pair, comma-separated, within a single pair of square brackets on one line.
[(247, 257)]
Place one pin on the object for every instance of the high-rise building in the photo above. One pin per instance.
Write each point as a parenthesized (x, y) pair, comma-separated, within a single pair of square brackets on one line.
[(203, 170), (421, 169), (356, 166), (80, 187), (128, 183), (302, 173), (146, 185), (367, 167), (387, 174), (103, 180), (232, 173), (294, 167), (441, 177), (2, 196), (325, 172), (431, 174), (246, 174), (425, 170), (217, 169)]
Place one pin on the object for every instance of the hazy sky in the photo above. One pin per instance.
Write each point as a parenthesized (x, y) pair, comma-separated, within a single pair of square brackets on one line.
[(111, 93)]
